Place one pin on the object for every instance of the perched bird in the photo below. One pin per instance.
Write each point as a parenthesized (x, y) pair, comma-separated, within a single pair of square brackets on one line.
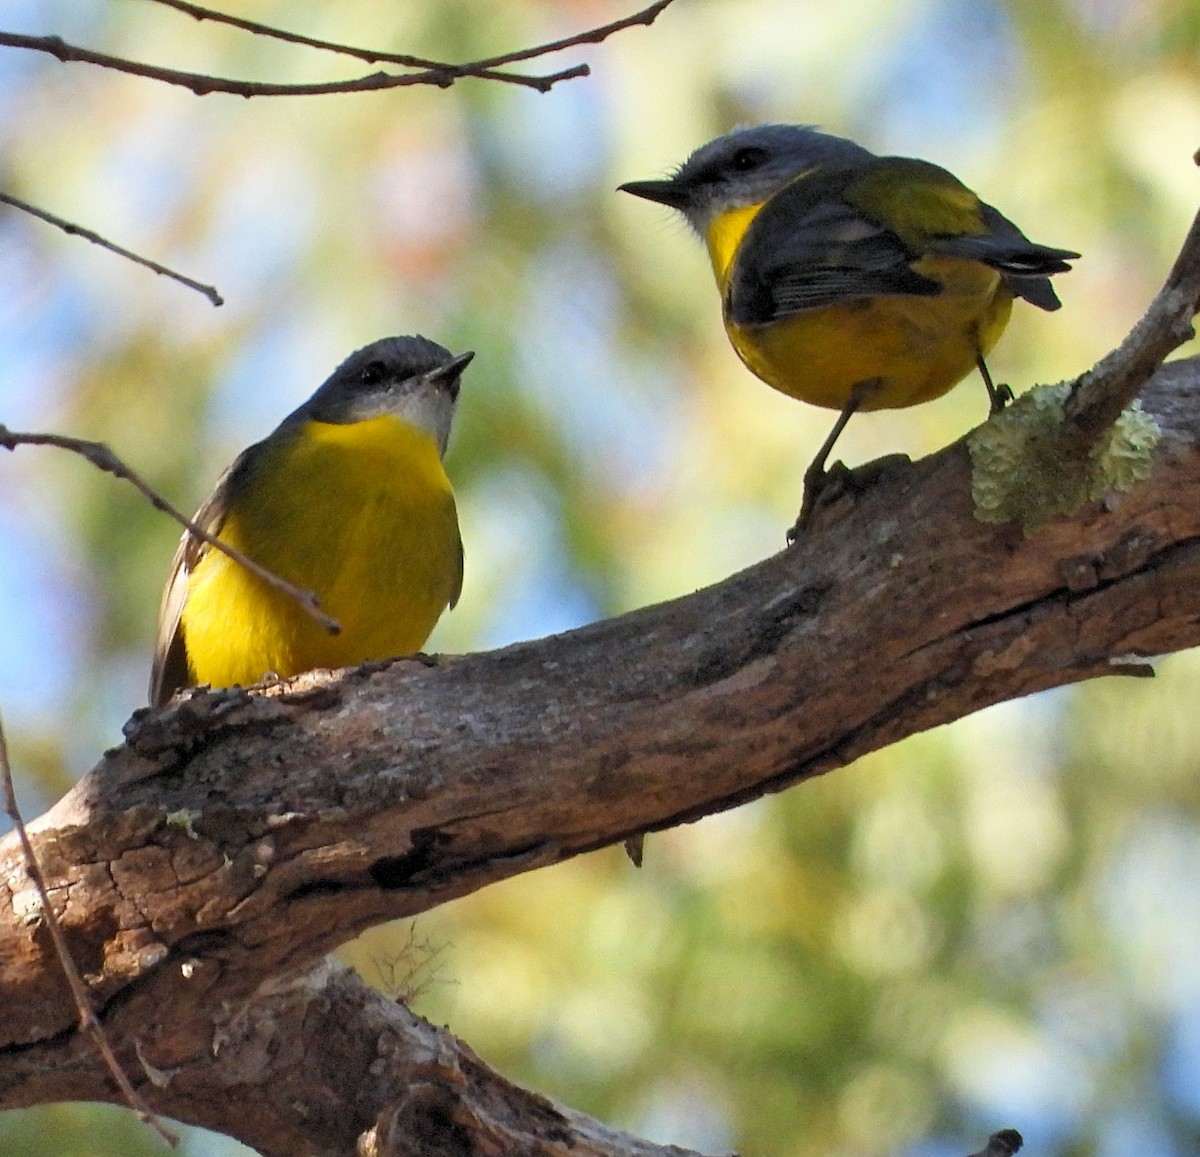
[(348, 499), (848, 280)]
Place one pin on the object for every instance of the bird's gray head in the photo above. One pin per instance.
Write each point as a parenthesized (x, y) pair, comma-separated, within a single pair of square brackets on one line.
[(410, 377), (744, 167)]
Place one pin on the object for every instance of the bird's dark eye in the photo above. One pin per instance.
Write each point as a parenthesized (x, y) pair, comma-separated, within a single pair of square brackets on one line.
[(373, 372), (746, 159)]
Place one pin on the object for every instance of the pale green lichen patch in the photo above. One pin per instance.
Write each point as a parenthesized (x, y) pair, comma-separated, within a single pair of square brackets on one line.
[(182, 819), (1019, 472)]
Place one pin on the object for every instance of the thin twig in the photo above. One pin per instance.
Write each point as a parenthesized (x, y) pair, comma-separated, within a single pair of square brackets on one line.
[(430, 71), (1099, 396), (369, 55), (646, 16), (483, 68), (100, 456), (79, 993), (209, 291), (202, 84)]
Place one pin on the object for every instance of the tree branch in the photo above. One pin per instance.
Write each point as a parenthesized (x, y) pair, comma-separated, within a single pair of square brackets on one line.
[(485, 69), (70, 228), (646, 17), (44, 911), (397, 1087), (1099, 396), (428, 71), (190, 866), (100, 456), (201, 84)]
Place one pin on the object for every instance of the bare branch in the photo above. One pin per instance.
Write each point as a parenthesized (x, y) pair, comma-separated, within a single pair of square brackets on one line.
[(646, 16), (202, 84), (209, 291), (370, 55), (79, 993), (429, 71), (100, 456), (1100, 395), (481, 68)]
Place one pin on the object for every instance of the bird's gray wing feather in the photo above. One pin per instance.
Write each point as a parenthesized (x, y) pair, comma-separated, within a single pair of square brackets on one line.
[(1024, 265), (169, 670), (810, 248)]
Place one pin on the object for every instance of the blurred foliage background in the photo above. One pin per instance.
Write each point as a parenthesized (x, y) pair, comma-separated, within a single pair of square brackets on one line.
[(992, 924)]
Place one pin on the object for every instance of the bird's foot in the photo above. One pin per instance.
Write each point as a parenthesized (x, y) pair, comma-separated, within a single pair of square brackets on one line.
[(825, 487), (821, 487), (999, 397)]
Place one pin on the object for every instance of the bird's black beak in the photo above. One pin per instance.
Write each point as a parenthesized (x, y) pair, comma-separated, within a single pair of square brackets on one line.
[(664, 192), (449, 372)]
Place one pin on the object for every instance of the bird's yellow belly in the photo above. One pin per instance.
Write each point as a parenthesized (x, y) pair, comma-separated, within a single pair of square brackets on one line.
[(919, 347), (361, 514)]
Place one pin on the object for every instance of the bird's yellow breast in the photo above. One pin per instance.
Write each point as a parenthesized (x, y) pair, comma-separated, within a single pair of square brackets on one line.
[(725, 233), (360, 513), (919, 347)]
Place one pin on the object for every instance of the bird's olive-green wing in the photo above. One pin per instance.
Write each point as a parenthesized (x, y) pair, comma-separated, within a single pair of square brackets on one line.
[(169, 670), (839, 234), (811, 247), (933, 212), (1024, 265)]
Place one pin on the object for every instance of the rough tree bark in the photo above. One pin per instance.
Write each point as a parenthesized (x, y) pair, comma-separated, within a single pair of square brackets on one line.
[(202, 870)]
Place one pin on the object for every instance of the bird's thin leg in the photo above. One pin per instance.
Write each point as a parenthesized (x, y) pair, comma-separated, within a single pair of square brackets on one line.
[(815, 476), (998, 396)]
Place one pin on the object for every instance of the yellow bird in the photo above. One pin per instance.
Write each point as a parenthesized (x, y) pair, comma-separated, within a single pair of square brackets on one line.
[(853, 281), (347, 498)]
